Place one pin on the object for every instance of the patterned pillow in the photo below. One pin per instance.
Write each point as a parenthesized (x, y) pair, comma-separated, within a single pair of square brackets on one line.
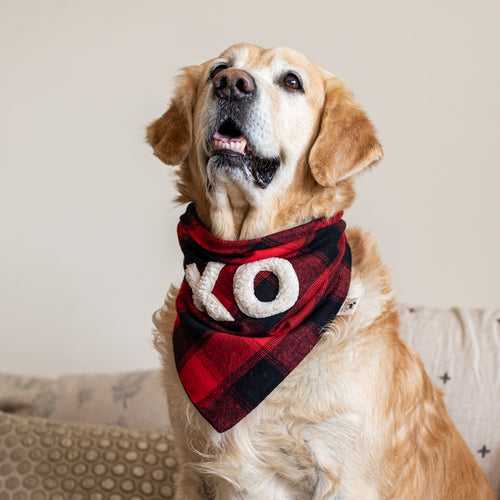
[(133, 399), (46, 460), (461, 351)]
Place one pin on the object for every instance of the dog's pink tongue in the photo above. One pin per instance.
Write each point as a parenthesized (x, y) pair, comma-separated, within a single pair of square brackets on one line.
[(221, 137)]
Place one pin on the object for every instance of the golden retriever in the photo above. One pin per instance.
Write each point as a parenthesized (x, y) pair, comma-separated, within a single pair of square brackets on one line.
[(359, 418)]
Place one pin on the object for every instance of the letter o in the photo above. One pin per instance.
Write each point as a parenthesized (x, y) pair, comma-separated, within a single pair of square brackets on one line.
[(244, 291)]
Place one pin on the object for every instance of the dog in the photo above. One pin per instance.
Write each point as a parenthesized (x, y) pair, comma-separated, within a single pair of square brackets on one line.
[(266, 141)]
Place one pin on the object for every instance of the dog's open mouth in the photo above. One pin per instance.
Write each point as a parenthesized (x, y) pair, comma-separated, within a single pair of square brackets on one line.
[(229, 148), (229, 139)]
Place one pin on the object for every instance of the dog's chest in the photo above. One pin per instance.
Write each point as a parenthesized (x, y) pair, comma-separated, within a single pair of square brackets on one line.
[(315, 434), (306, 435)]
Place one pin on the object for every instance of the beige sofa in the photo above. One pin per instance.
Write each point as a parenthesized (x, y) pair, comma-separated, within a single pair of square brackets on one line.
[(104, 437)]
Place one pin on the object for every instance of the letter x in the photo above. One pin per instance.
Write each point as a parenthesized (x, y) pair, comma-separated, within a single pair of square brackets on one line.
[(202, 287)]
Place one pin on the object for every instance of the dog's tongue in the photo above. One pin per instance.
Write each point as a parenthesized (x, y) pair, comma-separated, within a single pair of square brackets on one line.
[(236, 144)]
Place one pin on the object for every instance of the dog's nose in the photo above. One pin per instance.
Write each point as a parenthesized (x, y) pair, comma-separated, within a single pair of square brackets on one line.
[(232, 83)]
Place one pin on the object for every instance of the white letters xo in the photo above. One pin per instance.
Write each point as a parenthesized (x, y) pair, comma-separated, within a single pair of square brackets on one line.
[(243, 288)]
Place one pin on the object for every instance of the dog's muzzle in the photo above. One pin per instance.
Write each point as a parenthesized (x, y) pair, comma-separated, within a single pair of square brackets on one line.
[(229, 144)]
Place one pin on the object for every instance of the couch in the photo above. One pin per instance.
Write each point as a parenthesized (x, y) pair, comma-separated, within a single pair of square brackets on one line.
[(106, 437)]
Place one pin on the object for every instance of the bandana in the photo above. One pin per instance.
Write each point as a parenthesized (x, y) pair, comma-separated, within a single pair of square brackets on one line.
[(249, 311)]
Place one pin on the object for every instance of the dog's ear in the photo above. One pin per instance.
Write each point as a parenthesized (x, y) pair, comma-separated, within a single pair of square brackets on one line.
[(346, 142), (171, 135)]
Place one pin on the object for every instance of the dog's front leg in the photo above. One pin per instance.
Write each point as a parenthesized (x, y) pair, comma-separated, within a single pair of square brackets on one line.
[(261, 489), (325, 489), (189, 486)]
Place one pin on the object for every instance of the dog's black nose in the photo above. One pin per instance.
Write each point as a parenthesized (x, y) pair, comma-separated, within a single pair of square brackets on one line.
[(232, 83)]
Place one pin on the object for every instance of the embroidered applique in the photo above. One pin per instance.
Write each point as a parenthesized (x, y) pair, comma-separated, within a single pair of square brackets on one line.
[(243, 288), (249, 311), (202, 287)]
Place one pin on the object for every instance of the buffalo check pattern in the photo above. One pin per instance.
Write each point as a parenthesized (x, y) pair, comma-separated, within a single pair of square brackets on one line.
[(227, 368)]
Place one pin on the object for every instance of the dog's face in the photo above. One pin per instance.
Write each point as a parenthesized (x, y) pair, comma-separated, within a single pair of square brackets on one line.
[(265, 140), (256, 116)]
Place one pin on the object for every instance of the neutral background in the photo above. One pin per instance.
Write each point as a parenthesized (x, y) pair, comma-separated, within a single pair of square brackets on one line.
[(86, 214)]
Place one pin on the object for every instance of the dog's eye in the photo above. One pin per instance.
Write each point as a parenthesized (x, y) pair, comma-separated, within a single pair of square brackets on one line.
[(218, 67), (292, 81)]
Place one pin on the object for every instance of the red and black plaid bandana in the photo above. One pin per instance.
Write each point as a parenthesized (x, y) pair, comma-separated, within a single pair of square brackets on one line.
[(249, 311)]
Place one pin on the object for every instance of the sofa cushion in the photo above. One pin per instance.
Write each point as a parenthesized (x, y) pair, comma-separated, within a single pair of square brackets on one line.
[(461, 352), (134, 399), (46, 460)]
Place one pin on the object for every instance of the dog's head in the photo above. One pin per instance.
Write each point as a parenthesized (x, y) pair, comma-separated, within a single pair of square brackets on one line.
[(264, 139)]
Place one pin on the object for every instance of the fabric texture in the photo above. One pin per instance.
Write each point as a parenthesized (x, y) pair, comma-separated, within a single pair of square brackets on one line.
[(113, 399), (47, 460), (249, 311), (460, 348)]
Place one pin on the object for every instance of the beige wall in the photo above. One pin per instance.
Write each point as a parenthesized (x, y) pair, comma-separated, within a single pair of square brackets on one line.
[(86, 218)]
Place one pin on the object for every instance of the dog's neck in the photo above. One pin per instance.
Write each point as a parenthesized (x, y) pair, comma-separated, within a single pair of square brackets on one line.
[(231, 215)]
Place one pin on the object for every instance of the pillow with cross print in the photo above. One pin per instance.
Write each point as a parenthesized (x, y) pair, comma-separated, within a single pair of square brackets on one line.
[(461, 349)]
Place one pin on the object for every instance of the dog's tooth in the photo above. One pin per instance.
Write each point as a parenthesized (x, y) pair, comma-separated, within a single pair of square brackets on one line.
[(237, 145)]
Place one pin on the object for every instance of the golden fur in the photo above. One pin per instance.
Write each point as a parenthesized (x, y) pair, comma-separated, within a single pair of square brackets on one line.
[(359, 418)]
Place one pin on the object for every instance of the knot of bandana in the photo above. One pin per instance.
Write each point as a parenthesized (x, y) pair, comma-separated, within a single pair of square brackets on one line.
[(249, 311)]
